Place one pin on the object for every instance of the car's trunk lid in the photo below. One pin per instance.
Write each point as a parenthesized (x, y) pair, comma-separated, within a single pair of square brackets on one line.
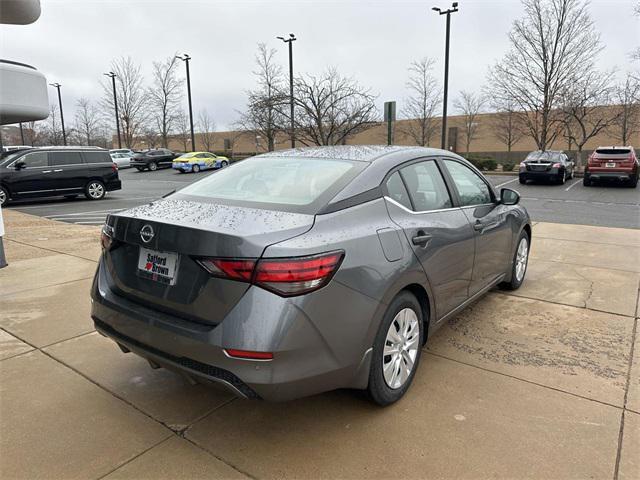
[(192, 229)]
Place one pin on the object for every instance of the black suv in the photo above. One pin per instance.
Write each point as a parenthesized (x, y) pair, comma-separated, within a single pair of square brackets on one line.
[(57, 171), (153, 159)]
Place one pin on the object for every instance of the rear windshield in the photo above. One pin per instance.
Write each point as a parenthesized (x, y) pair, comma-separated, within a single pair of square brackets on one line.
[(299, 185), (613, 151), (544, 156)]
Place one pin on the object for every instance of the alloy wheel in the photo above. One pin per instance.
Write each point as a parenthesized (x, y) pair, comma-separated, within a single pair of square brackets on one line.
[(401, 348), (3, 197), (522, 257), (96, 190)]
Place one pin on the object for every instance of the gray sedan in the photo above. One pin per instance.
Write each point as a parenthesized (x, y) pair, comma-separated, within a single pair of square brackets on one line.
[(306, 270)]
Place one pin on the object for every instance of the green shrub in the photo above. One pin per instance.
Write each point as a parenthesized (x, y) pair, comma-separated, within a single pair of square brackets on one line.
[(508, 166), (481, 162)]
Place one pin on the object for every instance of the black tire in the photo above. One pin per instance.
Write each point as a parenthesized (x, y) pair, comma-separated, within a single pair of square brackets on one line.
[(95, 190), (633, 181), (153, 166), (4, 197), (523, 180), (195, 168), (378, 390), (562, 178), (571, 175), (515, 282), (586, 180), (140, 169), (223, 164)]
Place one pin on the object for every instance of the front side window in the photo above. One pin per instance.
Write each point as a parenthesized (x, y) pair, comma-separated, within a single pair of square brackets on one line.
[(36, 159), (397, 190), (288, 182), (426, 186), (472, 190)]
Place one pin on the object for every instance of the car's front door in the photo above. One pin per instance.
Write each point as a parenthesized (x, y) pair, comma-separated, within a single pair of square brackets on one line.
[(488, 218), (34, 179), (438, 232)]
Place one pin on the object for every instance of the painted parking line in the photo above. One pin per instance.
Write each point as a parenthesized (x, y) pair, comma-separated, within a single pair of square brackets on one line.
[(76, 214), (572, 185), (506, 183)]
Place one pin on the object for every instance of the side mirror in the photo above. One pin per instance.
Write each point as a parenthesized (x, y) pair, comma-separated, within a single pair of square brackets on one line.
[(19, 165), (509, 197)]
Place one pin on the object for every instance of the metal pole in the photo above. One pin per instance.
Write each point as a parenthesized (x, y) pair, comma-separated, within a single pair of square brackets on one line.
[(443, 142), (293, 136), (64, 133), (21, 133), (115, 103), (389, 131), (193, 140)]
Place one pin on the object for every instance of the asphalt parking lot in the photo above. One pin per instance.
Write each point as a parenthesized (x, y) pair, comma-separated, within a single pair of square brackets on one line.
[(602, 205)]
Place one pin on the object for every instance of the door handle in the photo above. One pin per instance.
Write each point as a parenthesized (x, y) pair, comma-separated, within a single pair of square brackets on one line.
[(421, 239), (59, 170), (46, 171)]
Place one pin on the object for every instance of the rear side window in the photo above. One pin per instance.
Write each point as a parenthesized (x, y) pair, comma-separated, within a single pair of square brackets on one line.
[(35, 159), (472, 190), (64, 158), (426, 186), (289, 184), (97, 157), (397, 190)]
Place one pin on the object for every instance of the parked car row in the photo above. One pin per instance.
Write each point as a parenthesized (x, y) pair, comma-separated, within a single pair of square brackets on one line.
[(619, 164)]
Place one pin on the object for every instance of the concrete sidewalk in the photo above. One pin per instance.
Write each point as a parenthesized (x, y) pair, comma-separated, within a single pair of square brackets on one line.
[(541, 383)]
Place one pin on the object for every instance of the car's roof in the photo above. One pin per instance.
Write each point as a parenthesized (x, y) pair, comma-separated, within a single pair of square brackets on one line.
[(360, 153)]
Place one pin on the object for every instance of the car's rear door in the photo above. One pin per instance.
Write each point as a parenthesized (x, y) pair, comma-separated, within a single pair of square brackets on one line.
[(488, 218), (68, 171), (439, 232)]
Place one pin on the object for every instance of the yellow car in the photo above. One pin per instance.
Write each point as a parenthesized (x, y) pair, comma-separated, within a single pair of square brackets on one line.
[(196, 161)]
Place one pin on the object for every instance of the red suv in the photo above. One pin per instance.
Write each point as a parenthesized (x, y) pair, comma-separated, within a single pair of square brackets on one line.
[(612, 163)]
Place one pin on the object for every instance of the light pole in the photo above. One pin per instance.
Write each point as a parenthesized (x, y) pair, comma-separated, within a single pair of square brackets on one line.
[(64, 133), (21, 134), (113, 76), (185, 58), (292, 38), (453, 9)]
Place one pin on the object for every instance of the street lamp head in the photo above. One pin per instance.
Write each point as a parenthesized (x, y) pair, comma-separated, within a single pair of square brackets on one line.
[(56, 85), (435, 9), (455, 5), (292, 36), (183, 57), (280, 38), (110, 74)]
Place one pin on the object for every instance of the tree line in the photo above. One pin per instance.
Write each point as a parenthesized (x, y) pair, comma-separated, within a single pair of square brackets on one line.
[(546, 87)]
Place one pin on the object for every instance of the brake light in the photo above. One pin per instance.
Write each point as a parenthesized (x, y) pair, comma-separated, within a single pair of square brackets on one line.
[(114, 167), (523, 165), (556, 165), (294, 276), (106, 237), (234, 269), (284, 276)]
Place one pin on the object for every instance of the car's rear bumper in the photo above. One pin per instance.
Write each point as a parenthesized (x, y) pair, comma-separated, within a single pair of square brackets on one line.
[(304, 362), (185, 167), (621, 175), (114, 185), (546, 175)]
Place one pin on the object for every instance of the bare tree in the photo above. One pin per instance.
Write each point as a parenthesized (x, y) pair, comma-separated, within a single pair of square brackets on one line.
[(53, 135), (183, 130), (507, 124), (423, 102), (164, 96), (554, 44), (207, 126), (469, 105), (87, 121), (585, 109), (131, 98), (627, 103), (265, 105), (151, 138), (331, 108)]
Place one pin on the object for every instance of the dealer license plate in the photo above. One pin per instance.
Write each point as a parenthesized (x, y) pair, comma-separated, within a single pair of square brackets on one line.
[(158, 266)]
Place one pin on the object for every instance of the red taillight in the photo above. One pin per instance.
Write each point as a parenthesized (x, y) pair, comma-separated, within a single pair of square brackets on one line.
[(106, 237), (114, 167), (523, 165), (235, 269), (293, 276), (284, 276), (556, 165), (248, 354)]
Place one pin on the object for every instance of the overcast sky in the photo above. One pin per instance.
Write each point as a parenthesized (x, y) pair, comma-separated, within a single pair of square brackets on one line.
[(374, 41)]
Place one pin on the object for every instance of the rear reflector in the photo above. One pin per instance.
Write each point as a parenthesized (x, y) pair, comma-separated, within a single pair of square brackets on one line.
[(283, 276), (248, 354)]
